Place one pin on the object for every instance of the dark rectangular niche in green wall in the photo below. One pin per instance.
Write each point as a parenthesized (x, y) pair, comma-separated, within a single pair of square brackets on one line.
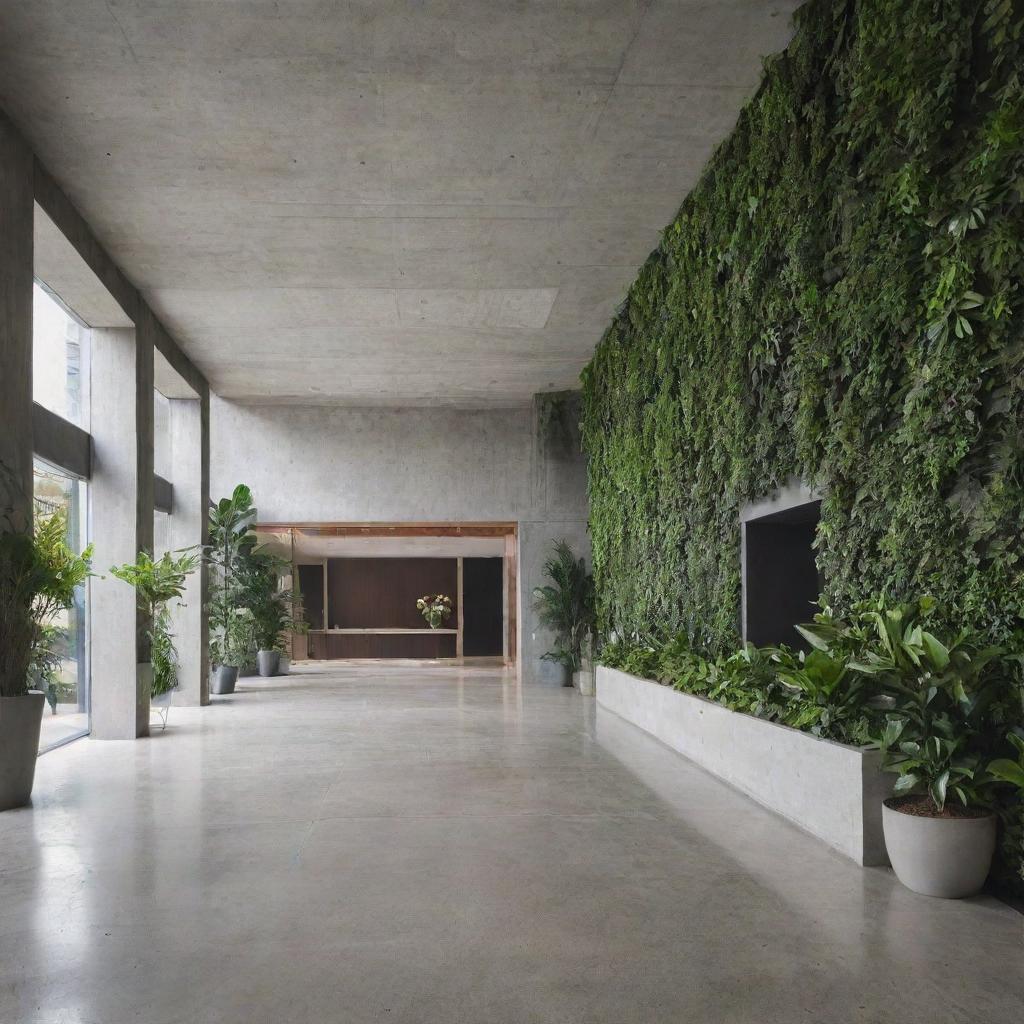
[(780, 577)]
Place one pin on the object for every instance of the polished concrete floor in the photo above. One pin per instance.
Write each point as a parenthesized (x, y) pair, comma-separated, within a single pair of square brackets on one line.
[(427, 845)]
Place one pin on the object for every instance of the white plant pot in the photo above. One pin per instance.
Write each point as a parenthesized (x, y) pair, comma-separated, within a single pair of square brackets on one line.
[(20, 720), (945, 857)]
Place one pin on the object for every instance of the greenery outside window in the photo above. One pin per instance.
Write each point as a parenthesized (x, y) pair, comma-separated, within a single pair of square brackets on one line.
[(67, 682)]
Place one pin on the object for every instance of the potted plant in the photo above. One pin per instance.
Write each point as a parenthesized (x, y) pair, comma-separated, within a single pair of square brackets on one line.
[(940, 830), (38, 578), (566, 606), (230, 541), (269, 606), (435, 609), (157, 583)]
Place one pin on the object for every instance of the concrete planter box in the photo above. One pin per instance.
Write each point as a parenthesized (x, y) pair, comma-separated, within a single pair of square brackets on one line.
[(833, 791)]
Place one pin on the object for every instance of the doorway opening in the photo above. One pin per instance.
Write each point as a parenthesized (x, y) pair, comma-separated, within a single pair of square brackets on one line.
[(359, 584)]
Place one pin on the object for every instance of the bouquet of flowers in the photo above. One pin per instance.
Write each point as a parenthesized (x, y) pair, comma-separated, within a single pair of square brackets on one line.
[(435, 609)]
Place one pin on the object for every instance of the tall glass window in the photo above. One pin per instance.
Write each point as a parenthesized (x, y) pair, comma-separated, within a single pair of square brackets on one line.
[(60, 353), (161, 436), (161, 533), (64, 676)]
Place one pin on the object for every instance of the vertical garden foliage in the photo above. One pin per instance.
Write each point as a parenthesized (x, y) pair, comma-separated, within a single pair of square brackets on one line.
[(840, 298)]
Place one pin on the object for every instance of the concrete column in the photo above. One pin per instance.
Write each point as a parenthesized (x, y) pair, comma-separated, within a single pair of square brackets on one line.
[(16, 269), (190, 476), (121, 499)]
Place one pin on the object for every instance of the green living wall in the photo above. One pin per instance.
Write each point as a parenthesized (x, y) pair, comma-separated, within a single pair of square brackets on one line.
[(839, 299)]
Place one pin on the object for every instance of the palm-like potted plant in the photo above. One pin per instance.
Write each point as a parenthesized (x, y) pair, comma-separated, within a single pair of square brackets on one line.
[(231, 540), (566, 606), (39, 576), (157, 583)]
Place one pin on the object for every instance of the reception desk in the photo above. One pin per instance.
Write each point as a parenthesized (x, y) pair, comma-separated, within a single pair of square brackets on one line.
[(383, 642)]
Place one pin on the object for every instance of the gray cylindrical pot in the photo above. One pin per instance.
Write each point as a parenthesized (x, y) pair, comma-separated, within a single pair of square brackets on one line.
[(267, 662), (223, 679), (945, 857), (20, 720), (284, 665)]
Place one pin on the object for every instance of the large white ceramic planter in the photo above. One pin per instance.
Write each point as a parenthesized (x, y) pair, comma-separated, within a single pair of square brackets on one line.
[(833, 791), (20, 720), (946, 857)]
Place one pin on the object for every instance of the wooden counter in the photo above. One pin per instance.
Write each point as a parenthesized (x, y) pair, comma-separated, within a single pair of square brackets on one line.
[(383, 642)]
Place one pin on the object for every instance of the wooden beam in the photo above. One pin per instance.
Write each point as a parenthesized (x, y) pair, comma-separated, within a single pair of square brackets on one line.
[(393, 529)]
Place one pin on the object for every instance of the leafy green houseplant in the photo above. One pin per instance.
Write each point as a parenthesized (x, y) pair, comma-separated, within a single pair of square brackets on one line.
[(1010, 770), (231, 541), (158, 583), (39, 577), (69, 573), (436, 609), (565, 605), (940, 706), (267, 605)]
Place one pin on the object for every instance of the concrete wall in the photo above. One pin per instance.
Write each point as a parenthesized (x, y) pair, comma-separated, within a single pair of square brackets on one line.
[(121, 518), (15, 327), (343, 464)]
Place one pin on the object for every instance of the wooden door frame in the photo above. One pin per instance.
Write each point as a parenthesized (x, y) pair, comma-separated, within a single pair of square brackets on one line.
[(508, 530)]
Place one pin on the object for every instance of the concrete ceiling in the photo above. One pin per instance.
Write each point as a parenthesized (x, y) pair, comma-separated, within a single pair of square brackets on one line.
[(382, 201)]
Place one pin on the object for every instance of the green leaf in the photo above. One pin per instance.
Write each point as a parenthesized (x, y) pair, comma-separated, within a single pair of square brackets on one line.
[(905, 784), (938, 789), (813, 637), (938, 653), (893, 730), (1008, 771)]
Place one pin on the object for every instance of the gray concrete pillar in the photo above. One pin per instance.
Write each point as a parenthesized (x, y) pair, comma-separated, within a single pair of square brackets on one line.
[(189, 523), (16, 270), (121, 502)]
